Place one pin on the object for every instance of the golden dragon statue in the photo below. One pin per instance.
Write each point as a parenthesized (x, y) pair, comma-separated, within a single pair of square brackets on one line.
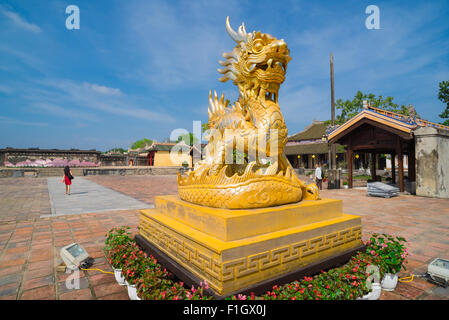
[(245, 166)]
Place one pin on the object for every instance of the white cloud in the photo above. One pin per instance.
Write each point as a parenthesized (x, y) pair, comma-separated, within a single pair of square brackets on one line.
[(103, 89), (55, 110), (19, 21), (29, 59), (83, 95)]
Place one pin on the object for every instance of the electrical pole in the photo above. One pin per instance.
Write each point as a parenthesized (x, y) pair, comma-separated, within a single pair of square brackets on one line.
[(332, 159)]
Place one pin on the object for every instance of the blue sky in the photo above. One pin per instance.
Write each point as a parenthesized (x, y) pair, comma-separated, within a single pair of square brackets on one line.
[(140, 69)]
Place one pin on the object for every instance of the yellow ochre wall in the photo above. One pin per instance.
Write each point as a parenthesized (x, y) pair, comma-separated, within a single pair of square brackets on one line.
[(162, 159)]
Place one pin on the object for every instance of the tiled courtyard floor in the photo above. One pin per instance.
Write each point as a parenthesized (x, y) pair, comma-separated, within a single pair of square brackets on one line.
[(29, 245)]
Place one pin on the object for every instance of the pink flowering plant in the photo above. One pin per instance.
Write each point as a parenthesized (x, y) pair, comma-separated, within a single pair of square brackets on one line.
[(117, 244), (347, 282), (391, 250), (344, 283), (155, 285), (117, 237), (135, 264), (153, 282)]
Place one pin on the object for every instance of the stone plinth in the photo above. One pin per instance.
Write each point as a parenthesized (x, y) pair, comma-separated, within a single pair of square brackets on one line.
[(236, 249)]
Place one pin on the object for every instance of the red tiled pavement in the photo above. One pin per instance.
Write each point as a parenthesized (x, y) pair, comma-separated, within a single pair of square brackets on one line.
[(142, 188), (29, 245), (23, 199)]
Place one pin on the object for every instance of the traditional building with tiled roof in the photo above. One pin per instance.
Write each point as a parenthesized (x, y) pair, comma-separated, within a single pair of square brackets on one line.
[(424, 144), (160, 154), (306, 148)]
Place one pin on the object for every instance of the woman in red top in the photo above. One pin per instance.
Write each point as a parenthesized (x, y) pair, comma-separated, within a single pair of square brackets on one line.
[(67, 178)]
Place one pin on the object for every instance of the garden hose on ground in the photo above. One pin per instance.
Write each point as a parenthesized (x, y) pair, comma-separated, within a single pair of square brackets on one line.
[(407, 279), (98, 270), (87, 263), (412, 276)]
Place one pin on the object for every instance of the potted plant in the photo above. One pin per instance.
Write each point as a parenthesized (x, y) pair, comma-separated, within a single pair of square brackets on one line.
[(345, 184), (134, 266), (349, 282), (154, 285), (116, 257), (117, 244), (392, 253)]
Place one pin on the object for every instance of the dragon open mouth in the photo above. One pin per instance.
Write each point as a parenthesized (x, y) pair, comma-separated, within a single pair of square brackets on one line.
[(271, 64)]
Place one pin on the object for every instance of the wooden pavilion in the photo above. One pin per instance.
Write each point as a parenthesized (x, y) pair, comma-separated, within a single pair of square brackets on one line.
[(376, 131)]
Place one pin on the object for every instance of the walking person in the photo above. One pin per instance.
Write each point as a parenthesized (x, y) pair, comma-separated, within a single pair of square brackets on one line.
[(67, 178), (318, 176)]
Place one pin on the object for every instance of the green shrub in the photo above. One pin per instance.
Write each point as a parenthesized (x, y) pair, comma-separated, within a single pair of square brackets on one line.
[(391, 251)]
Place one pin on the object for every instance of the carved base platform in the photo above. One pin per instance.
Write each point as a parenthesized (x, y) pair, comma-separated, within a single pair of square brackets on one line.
[(237, 249)]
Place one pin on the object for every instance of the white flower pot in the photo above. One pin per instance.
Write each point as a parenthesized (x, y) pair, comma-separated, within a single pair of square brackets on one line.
[(118, 277), (132, 291), (374, 294), (346, 186), (389, 281)]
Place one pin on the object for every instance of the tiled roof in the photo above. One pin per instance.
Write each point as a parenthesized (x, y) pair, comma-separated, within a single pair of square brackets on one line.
[(392, 119), (166, 146), (309, 148), (314, 131)]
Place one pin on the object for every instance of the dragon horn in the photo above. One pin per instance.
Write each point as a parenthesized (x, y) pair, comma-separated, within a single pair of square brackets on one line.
[(237, 37)]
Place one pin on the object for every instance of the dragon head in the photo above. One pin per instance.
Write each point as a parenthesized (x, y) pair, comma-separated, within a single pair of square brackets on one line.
[(258, 63)]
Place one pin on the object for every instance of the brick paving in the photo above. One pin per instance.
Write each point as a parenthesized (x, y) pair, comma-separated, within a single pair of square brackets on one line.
[(30, 253), (29, 245), (142, 188), (23, 199)]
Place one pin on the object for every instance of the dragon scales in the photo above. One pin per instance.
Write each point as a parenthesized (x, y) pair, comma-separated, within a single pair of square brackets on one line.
[(264, 177)]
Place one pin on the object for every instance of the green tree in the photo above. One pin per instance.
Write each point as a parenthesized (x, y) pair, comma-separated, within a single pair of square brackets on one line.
[(204, 126), (189, 139), (351, 108), (141, 143), (443, 95)]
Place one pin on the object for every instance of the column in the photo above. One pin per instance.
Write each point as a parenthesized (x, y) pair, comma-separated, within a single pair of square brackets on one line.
[(411, 163), (350, 166), (373, 166), (400, 166), (393, 167)]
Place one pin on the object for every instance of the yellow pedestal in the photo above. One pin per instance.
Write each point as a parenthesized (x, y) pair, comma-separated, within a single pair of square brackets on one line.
[(235, 249)]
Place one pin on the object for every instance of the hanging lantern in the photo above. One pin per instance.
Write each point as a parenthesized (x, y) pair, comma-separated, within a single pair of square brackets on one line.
[(313, 156), (356, 156), (336, 156), (299, 156)]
